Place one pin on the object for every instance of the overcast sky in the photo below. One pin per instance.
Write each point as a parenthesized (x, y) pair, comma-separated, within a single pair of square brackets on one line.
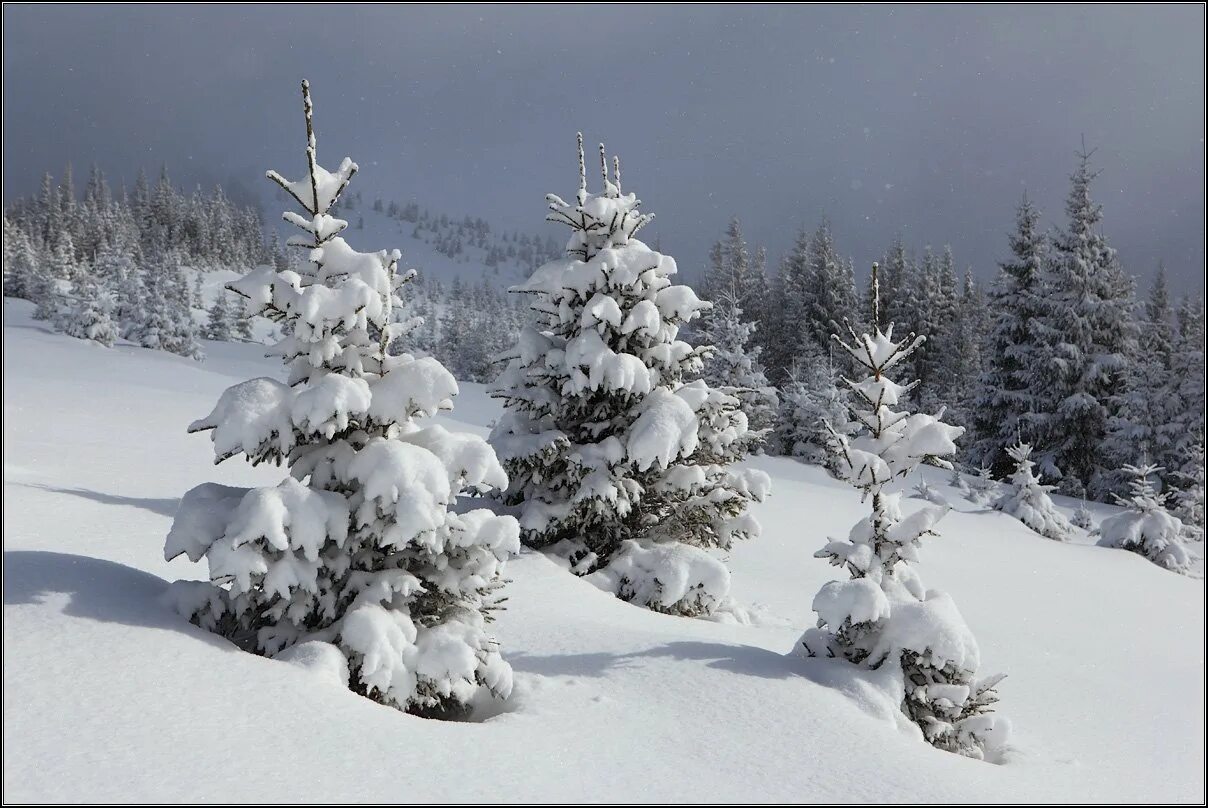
[(929, 121)]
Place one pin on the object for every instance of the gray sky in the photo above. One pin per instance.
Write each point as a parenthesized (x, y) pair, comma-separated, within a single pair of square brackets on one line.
[(925, 120)]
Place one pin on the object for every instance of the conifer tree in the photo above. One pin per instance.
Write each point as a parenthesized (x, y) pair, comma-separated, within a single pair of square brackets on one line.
[(1146, 414), (20, 264), (362, 553), (732, 365), (832, 293), (1028, 501), (241, 319), (615, 462), (883, 615), (1089, 336), (220, 325), (90, 316), (787, 321), (1006, 394), (1187, 392), (1146, 528), (812, 407)]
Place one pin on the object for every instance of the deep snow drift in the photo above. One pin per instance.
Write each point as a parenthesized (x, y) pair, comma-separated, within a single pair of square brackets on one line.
[(110, 696)]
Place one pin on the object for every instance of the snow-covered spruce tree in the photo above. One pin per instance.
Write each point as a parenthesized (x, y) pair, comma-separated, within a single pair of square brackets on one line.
[(812, 408), (164, 319), (1146, 528), (732, 365), (883, 615), (51, 281), (832, 288), (786, 323), (1005, 391), (1185, 458), (1189, 498), (242, 319), (220, 326), (968, 334), (1028, 501), (615, 463), (1145, 419), (90, 315), (1088, 335), (21, 268), (363, 553)]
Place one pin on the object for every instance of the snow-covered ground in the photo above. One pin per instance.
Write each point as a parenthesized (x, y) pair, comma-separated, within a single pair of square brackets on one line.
[(109, 696)]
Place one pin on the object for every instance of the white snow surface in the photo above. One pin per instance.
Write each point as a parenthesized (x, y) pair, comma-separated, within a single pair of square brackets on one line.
[(111, 696)]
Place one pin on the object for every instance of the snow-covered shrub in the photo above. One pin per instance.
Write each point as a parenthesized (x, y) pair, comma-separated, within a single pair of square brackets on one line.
[(1028, 501), (1082, 517), (883, 613), (365, 545), (924, 491), (957, 481), (668, 577), (984, 489), (602, 439), (1146, 528)]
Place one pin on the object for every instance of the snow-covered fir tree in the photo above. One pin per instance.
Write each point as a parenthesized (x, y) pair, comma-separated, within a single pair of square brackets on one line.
[(1028, 500), (1145, 418), (363, 553), (155, 325), (830, 286), (1184, 459), (242, 319), (221, 323), (786, 324), (90, 314), (182, 334), (615, 462), (965, 350), (1189, 495), (898, 282), (935, 310), (1088, 336), (1146, 527), (730, 267), (21, 265), (812, 408), (732, 365), (883, 615)]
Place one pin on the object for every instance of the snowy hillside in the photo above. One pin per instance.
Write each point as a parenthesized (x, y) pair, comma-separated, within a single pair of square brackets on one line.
[(111, 696), (426, 244)]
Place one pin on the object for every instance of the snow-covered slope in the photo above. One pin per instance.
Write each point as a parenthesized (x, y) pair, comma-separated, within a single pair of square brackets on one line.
[(109, 696), (376, 230)]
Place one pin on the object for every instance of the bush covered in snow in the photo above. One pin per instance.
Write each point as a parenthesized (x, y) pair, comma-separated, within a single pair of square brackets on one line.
[(362, 547), (1082, 517), (1146, 528), (1028, 501), (883, 613), (602, 439)]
